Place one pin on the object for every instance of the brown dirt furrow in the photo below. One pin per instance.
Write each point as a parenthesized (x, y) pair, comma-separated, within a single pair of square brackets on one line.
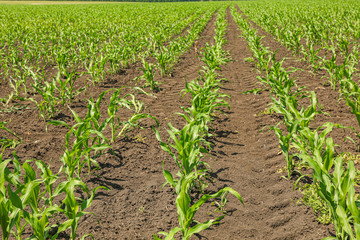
[(248, 161)]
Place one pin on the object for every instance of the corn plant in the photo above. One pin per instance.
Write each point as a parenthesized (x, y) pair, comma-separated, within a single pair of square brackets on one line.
[(129, 102), (260, 53), (63, 61), (333, 70), (186, 210), (164, 58), (188, 149), (95, 68), (16, 86), (47, 105), (214, 56), (311, 55), (89, 137), (206, 100), (21, 199), (66, 87), (80, 152), (6, 142), (18, 83), (38, 79), (74, 207), (351, 92), (148, 76), (336, 186), (23, 203), (285, 145), (202, 120)]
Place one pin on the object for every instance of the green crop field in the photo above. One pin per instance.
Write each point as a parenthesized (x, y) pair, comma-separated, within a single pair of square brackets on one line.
[(50, 2), (136, 120)]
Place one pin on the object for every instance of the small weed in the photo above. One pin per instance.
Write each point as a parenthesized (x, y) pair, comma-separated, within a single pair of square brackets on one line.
[(267, 111), (139, 138), (312, 199)]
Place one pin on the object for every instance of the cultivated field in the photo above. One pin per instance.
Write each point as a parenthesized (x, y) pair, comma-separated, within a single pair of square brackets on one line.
[(15, 2), (201, 120)]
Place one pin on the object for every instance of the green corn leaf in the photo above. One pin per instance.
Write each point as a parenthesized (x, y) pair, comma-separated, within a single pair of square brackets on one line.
[(30, 173), (344, 221), (14, 198), (58, 123), (100, 147), (65, 225), (168, 176), (200, 227)]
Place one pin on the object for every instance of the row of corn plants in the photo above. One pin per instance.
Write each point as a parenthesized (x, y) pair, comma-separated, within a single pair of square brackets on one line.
[(39, 38), (36, 40), (64, 86), (331, 47), (85, 140), (168, 55), (31, 200), (188, 146), (23, 200), (39, 201), (309, 30), (313, 147), (31, 195), (42, 201)]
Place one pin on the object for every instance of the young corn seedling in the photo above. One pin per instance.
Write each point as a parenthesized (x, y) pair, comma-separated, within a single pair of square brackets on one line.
[(129, 102), (332, 68), (344, 46), (336, 186), (63, 62), (311, 55), (186, 211), (22, 199), (9, 214), (6, 142), (96, 69), (352, 93), (189, 149), (285, 145), (66, 87), (16, 86), (114, 62), (47, 105), (19, 82), (38, 79), (202, 120), (89, 137), (287, 106), (205, 97), (149, 71), (77, 155), (75, 207), (214, 57), (206, 101), (87, 140), (260, 53), (164, 58)]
